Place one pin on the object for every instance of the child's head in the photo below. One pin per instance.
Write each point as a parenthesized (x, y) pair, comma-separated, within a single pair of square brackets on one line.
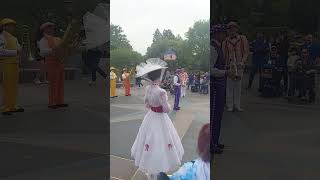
[(204, 143), (154, 75)]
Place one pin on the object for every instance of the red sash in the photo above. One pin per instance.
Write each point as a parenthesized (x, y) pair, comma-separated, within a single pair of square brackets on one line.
[(157, 109)]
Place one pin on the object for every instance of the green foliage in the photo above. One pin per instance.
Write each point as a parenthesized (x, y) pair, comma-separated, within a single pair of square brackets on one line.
[(198, 38), (124, 57), (118, 39), (192, 53), (300, 15), (121, 52)]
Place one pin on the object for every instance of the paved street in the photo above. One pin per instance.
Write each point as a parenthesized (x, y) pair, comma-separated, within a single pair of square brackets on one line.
[(59, 144), (126, 116), (271, 140)]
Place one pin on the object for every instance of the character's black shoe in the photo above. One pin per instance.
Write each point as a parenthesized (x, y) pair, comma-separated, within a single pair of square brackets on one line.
[(217, 150), (6, 113), (62, 105), (221, 146), (53, 106), (17, 110)]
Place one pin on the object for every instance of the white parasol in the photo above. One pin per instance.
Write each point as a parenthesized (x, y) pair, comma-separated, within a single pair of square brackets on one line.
[(151, 65), (102, 10), (97, 30)]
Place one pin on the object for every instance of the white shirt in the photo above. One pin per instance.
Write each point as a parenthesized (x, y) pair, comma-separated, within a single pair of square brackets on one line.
[(175, 80), (7, 52), (124, 76), (44, 47)]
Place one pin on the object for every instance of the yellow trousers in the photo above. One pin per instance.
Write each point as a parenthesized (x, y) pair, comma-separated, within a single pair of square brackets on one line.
[(10, 86), (113, 87)]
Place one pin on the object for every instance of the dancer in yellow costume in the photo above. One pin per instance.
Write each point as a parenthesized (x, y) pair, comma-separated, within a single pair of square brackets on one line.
[(9, 52), (113, 83)]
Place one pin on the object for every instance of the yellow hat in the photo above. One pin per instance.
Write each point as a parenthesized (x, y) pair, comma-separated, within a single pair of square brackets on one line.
[(112, 68), (6, 21)]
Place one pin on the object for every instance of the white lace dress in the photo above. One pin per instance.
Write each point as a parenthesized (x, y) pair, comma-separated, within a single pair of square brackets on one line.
[(157, 147)]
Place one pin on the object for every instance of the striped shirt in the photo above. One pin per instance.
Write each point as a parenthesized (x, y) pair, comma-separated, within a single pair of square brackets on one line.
[(236, 49), (184, 78)]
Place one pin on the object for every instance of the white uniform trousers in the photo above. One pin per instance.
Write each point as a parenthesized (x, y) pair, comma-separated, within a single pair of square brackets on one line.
[(233, 93)]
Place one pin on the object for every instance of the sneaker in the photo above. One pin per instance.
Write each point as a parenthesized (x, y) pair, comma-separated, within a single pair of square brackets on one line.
[(37, 81), (92, 83), (239, 109), (230, 109)]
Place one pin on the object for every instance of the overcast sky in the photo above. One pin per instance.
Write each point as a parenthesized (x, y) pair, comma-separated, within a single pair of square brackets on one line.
[(140, 18)]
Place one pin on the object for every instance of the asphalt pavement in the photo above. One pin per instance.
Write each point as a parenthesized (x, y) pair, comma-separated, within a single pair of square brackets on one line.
[(68, 143), (270, 140)]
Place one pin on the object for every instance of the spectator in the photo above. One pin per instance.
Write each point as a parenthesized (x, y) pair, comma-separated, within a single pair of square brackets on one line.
[(303, 77), (313, 48), (283, 52), (260, 49), (198, 169)]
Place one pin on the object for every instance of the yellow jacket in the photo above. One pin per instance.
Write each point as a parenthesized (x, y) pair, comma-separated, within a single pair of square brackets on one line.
[(10, 44)]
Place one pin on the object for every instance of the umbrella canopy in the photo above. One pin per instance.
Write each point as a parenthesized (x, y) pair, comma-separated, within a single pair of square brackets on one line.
[(97, 30), (102, 10)]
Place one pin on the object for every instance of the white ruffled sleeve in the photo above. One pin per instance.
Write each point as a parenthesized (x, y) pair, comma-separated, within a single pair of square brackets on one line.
[(164, 101), (146, 102)]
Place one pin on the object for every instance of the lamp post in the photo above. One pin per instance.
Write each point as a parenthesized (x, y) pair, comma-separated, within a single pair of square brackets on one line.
[(68, 6)]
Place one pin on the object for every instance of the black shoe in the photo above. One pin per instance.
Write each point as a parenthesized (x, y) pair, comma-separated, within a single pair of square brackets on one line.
[(217, 150), (6, 113), (53, 107), (17, 110), (221, 146), (62, 105)]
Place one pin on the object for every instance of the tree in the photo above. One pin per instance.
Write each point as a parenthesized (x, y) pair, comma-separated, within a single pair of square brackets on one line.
[(198, 38), (124, 57), (118, 39), (157, 36), (167, 34), (192, 53)]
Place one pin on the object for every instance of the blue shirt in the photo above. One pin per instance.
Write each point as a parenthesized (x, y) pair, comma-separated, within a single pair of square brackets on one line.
[(314, 50), (259, 48)]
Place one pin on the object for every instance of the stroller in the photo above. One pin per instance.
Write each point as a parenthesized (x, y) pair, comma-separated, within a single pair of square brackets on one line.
[(270, 81), (196, 86)]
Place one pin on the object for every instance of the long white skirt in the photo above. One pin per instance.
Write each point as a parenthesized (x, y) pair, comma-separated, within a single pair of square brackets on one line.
[(157, 147)]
